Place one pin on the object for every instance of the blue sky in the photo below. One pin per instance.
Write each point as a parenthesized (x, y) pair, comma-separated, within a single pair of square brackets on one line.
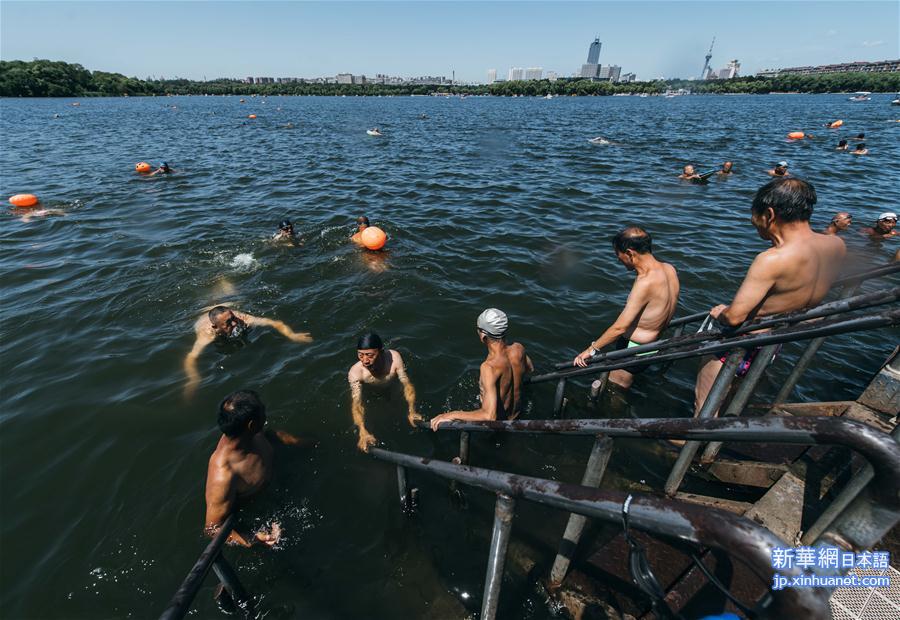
[(307, 39)]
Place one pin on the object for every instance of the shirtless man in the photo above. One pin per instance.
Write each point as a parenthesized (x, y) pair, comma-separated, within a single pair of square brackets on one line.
[(224, 324), (240, 467), (883, 228), (650, 304), (689, 174), (286, 232), (362, 222), (500, 382), (164, 168), (727, 169), (378, 368), (839, 223), (780, 170), (860, 150), (794, 274)]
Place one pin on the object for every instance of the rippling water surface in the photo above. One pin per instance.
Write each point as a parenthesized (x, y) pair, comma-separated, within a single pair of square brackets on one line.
[(488, 202)]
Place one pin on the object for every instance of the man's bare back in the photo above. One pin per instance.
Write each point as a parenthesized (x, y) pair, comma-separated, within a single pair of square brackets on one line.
[(660, 289), (509, 367)]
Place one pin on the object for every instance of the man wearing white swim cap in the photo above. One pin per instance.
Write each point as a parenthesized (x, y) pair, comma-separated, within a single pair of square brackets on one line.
[(500, 381), (883, 228)]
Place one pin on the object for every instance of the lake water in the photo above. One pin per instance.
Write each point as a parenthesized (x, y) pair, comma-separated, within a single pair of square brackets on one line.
[(487, 201)]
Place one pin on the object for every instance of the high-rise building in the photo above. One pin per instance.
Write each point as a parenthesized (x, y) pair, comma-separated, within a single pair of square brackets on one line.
[(614, 72), (344, 78), (590, 70), (594, 52), (516, 73), (628, 77), (534, 73), (551, 75), (492, 76)]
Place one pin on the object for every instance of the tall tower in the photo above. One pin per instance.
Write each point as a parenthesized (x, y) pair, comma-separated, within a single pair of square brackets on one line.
[(594, 52), (708, 58)]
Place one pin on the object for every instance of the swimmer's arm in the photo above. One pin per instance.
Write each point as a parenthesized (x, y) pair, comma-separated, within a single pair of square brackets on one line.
[(366, 439), (753, 292), (627, 319), (409, 391), (190, 363), (281, 328), (488, 410)]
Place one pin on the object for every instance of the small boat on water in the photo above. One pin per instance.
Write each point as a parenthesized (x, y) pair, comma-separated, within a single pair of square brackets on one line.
[(861, 95), (896, 100)]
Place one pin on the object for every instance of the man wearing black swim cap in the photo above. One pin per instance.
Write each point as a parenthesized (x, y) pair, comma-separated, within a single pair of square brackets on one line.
[(377, 367), (164, 168), (285, 232)]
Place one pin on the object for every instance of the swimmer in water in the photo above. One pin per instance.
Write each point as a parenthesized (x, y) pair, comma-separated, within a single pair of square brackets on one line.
[(842, 146), (285, 232), (689, 174), (376, 132), (780, 170), (164, 168), (650, 306), (241, 466), (362, 222), (222, 324), (379, 368), (883, 228), (839, 223), (727, 169), (501, 374), (599, 140), (860, 137), (860, 150)]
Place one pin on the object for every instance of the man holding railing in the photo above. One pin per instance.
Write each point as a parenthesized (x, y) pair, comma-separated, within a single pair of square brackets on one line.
[(650, 305), (794, 274)]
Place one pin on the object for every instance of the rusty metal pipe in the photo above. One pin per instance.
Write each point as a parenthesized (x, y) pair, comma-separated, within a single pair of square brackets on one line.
[(838, 306), (776, 336), (741, 538), (181, 602), (504, 510), (709, 409), (593, 474)]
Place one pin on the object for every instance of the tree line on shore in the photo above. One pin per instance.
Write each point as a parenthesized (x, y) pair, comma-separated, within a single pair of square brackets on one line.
[(46, 78)]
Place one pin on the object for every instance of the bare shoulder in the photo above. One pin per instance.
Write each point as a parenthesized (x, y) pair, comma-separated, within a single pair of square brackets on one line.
[(517, 349), (834, 243), (670, 269), (396, 359), (355, 372)]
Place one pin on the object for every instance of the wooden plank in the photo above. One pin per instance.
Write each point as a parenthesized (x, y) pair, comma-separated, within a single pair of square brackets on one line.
[(781, 508), (749, 473), (715, 502)]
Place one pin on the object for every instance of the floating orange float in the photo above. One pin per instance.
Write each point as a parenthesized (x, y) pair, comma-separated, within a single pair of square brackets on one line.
[(142, 167), (836, 124), (796, 135), (251, 116), (23, 201), (373, 238)]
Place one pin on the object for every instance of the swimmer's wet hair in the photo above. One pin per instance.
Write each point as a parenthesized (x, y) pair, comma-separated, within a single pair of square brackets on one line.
[(237, 410), (791, 199), (362, 219), (369, 340), (633, 238), (215, 312)]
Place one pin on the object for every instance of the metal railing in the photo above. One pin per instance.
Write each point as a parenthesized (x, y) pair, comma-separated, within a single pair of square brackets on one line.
[(212, 558), (699, 525), (863, 512)]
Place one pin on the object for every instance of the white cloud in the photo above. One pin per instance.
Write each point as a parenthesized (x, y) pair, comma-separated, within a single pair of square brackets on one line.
[(872, 43)]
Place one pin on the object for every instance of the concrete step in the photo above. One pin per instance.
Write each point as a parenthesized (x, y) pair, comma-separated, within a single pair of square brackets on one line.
[(781, 508)]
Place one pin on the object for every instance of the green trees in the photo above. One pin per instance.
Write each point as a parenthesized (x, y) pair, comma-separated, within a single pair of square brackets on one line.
[(45, 78)]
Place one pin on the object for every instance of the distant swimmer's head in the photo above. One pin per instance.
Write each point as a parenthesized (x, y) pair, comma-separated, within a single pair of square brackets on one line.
[(362, 222), (688, 170), (781, 201), (226, 323), (164, 167), (886, 221), (492, 324), (842, 144), (780, 169), (242, 413), (286, 227), (727, 166), (369, 348), (860, 147), (842, 220), (860, 136), (630, 242)]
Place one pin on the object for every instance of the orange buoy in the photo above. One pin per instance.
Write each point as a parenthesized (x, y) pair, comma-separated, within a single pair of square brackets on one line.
[(23, 201), (142, 167), (373, 238), (796, 135), (836, 124), (251, 116)]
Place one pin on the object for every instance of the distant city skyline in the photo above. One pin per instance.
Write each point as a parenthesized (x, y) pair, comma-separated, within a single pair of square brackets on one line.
[(207, 40)]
